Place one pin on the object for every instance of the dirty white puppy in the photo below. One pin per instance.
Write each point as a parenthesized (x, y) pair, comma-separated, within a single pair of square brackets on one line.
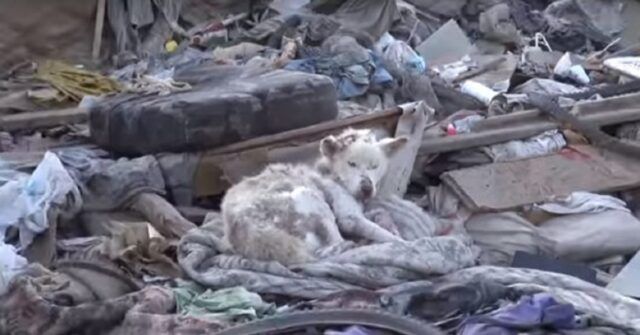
[(288, 213)]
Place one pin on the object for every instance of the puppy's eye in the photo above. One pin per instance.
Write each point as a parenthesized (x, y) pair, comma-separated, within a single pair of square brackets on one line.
[(373, 167), (352, 164)]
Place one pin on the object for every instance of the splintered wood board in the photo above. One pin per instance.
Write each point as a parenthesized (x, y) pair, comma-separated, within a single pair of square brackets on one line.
[(507, 185)]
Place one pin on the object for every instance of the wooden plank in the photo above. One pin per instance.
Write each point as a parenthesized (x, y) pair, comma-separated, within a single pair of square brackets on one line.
[(508, 185), (493, 132), (43, 119), (320, 129), (411, 124), (581, 109)]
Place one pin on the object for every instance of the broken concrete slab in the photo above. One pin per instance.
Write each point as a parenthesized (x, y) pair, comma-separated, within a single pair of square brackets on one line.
[(631, 33), (508, 185), (448, 44), (497, 78)]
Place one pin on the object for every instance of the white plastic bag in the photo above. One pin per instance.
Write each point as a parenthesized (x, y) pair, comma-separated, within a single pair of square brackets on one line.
[(25, 203), (566, 68), (10, 264), (399, 56)]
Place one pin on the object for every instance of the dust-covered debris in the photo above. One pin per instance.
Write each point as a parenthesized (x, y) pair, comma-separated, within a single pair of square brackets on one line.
[(218, 166)]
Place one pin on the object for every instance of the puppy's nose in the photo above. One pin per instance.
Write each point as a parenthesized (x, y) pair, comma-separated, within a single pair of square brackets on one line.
[(366, 187)]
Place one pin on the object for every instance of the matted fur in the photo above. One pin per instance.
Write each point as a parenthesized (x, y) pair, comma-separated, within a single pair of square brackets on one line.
[(290, 213)]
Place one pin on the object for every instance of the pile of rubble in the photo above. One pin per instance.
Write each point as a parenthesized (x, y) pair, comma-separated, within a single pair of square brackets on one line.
[(513, 203)]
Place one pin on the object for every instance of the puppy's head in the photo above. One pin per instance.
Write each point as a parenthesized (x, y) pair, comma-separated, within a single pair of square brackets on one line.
[(358, 161)]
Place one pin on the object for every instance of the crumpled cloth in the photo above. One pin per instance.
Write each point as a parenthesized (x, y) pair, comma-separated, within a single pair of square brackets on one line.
[(583, 203), (354, 70), (26, 309), (587, 298), (501, 235), (354, 330), (201, 254), (530, 313), (140, 257), (30, 204), (351, 80), (107, 184), (226, 305), (154, 314)]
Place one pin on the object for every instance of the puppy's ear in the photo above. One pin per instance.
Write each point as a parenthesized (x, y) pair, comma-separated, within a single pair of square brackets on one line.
[(392, 145), (329, 146)]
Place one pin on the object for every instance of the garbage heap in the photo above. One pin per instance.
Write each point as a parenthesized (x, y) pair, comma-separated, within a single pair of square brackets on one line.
[(519, 180)]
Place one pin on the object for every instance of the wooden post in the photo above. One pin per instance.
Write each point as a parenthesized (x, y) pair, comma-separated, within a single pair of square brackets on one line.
[(97, 34)]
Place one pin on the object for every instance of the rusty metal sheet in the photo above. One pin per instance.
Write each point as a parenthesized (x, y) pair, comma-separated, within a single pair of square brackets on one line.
[(506, 185)]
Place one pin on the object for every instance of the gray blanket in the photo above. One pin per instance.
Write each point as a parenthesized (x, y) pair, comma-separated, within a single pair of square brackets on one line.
[(370, 266)]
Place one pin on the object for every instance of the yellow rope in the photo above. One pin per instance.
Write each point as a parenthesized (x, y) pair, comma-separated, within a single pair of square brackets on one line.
[(74, 83)]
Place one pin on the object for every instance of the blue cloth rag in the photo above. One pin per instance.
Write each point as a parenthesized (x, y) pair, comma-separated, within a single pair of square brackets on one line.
[(540, 311)]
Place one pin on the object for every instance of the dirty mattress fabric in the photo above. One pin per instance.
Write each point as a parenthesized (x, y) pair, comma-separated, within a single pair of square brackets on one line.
[(202, 256), (226, 104)]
